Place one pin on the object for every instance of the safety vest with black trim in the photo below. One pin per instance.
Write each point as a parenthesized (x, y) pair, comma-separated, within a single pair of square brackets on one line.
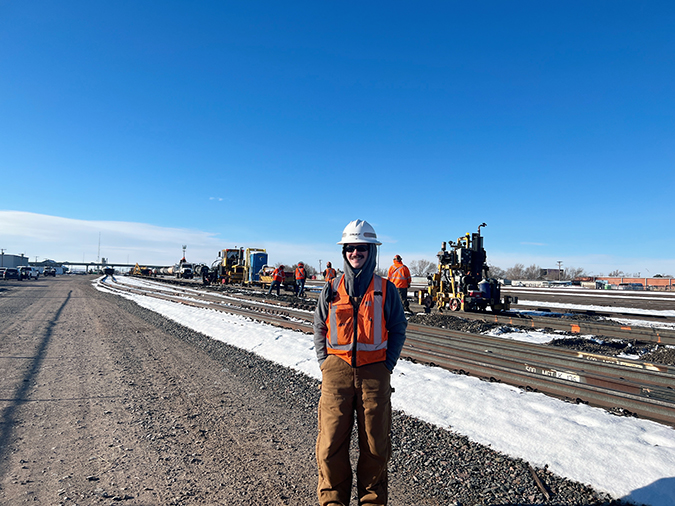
[(363, 343), (300, 273), (399, 275)]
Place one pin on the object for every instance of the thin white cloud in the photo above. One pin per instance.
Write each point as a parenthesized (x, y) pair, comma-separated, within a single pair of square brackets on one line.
[(66, 239), (72, 240)]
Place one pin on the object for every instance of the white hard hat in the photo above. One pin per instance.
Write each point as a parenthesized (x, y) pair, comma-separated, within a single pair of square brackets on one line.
[(359, 231)]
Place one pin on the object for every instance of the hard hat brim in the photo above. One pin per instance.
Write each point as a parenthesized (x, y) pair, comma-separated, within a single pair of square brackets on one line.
[(360, 241)]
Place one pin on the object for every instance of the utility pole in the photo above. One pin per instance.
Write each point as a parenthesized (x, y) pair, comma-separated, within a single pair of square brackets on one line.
[(320, 271), (559, 269)]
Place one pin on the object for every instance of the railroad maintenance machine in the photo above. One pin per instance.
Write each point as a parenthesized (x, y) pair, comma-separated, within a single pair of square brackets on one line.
[(239, 266), (462, 282)]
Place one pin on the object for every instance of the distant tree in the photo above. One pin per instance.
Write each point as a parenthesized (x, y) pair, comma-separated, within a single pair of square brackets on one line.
[(616, 274), (421, 267), (573, 272), (516, 272), (532, 272), (381, 271), (497, 272)]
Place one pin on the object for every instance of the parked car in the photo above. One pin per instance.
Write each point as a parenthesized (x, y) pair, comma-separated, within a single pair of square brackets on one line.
[(29, 272), (2, 272), (11, 273), (49, 271), (631, 286)]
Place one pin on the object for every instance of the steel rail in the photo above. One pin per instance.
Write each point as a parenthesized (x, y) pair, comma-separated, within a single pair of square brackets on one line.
[(647, 334), (559, 357), (629, 315), (629, 332), (632, 378), (639, 388), (646, 407), (272, 316)]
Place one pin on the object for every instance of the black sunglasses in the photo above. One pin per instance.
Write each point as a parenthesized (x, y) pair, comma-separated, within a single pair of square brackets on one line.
[(361, 248)]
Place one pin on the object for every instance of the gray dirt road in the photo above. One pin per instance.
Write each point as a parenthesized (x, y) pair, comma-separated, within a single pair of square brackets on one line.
[(100, 406)]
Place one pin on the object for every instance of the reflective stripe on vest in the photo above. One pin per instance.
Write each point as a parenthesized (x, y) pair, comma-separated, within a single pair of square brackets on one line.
[(300, 273), (399, 277), (330, 274), (372, 307)]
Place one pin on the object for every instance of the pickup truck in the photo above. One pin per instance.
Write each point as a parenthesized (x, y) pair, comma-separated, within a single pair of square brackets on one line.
[(185, 271)]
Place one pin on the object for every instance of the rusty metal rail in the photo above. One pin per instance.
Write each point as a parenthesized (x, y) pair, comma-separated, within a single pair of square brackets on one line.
[(281, 317), (644, 389), (647, 334), (615, 331), (622, 385)]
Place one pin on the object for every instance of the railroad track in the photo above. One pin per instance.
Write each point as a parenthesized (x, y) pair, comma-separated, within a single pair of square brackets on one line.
[(517, 319), (620, 385), (625, 313), (629, 332)]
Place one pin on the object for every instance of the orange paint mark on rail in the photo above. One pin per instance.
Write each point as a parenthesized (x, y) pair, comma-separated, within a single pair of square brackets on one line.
[(576, 328)]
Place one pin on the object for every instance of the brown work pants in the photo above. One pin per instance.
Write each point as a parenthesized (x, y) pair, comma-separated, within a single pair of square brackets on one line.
[(346, 390)]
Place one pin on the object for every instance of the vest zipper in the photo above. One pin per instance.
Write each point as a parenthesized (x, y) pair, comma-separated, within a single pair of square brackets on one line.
[(356, 302)]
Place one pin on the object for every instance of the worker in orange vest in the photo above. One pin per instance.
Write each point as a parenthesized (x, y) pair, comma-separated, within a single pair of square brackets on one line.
[(359, 331), (300, 277), (399, 274), (277, 279), (329, 273)]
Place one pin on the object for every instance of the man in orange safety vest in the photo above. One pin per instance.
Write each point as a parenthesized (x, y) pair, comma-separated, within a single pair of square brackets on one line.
[(399, 274), (300, 277), (329, 273), (277, 279), (359, 331)]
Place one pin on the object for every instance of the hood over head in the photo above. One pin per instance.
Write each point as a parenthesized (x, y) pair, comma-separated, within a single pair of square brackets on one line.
[(358, 280)]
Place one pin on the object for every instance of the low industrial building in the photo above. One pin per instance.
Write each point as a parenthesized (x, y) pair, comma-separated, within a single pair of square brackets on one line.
[(13, 260)]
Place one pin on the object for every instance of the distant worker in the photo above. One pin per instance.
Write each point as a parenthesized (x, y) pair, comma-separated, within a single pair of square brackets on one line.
[(300, 278), (400, 276), (359, 331), (329, 273), (205, 275), (277, 279)]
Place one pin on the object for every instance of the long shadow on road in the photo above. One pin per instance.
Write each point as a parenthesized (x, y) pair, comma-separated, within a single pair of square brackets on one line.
[(7, 418)]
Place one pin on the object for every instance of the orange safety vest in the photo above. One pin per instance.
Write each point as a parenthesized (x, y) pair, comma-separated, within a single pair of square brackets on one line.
[(300, 273), (370, 331), (278, 275), (330, 273), (399, 275)]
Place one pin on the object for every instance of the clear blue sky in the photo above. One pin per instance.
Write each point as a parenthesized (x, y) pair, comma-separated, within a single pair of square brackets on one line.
[(276, 123)]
